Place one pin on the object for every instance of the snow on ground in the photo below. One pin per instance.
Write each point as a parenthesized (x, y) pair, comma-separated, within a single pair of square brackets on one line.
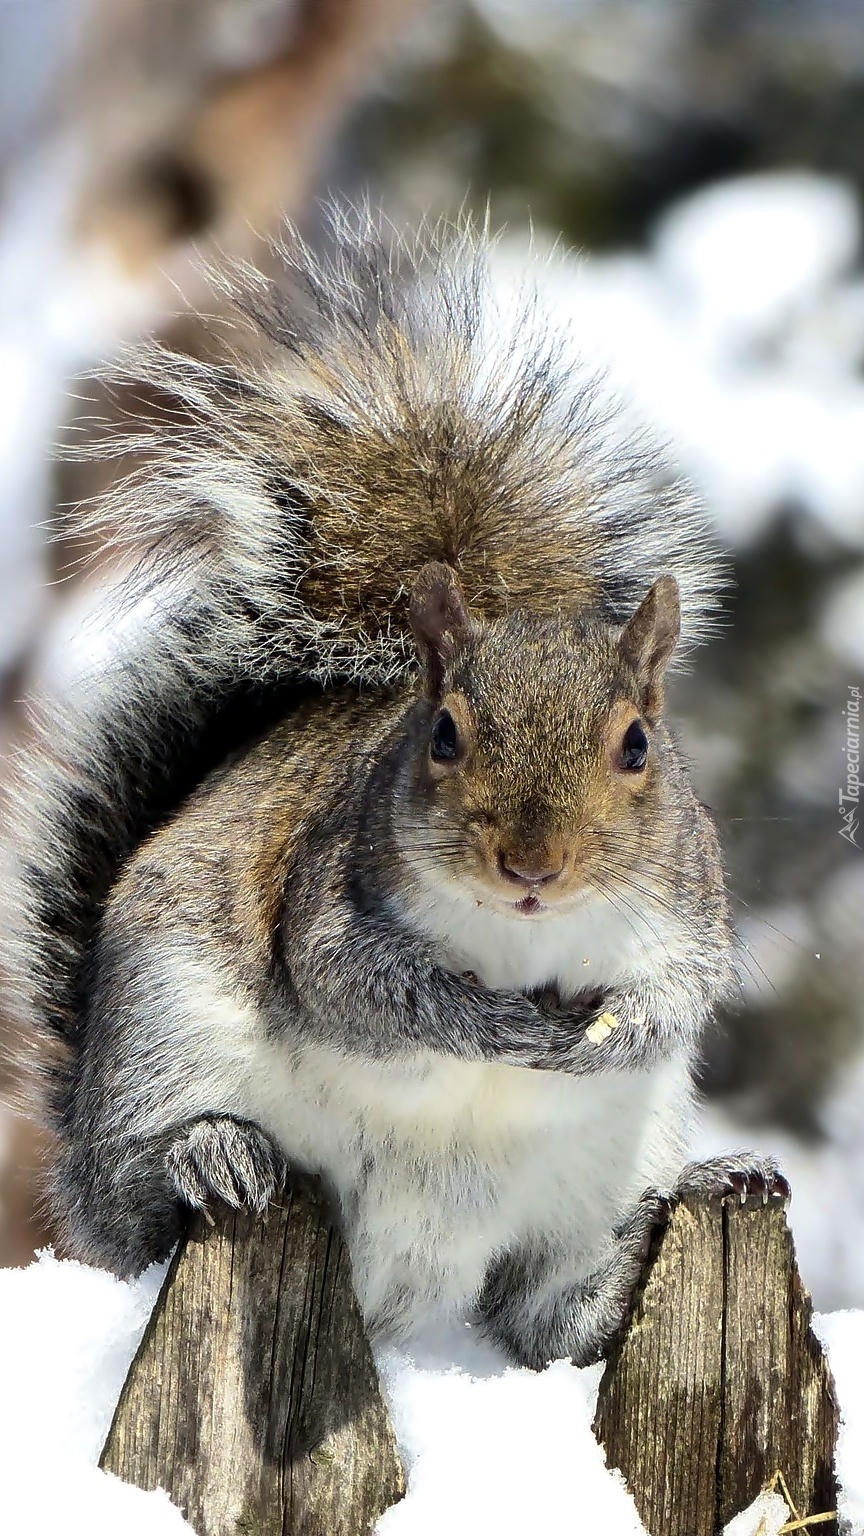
[(67, 1337), (842, 1334), (488, 1448), (492, 1449)]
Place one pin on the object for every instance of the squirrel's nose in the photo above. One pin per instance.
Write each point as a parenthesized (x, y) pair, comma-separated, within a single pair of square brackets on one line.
[(529, 871)]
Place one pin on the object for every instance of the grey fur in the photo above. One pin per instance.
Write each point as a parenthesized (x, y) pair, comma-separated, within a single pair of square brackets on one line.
[(384, 344), (223, 1159), (534, 1305), (209, 1020)]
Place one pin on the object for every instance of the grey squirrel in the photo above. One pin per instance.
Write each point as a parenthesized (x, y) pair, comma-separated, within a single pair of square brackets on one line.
[(368, 852)]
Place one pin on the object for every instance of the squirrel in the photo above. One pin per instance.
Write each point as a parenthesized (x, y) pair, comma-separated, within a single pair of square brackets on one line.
[(368, 854)]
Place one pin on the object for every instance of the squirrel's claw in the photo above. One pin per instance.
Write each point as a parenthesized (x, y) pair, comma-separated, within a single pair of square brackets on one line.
[(226, 1160), (747, 1176)]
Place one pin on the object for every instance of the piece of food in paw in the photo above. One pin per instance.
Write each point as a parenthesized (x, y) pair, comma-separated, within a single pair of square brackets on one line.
[(602, 1028)]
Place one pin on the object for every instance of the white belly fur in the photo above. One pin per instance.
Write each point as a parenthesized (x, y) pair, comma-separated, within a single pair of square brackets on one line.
[(439, 1165)]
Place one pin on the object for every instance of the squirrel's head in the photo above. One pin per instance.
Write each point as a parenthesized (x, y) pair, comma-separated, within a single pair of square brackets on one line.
[(536, 768)]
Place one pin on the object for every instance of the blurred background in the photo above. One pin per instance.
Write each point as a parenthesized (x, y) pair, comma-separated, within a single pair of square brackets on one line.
[(701, 165)]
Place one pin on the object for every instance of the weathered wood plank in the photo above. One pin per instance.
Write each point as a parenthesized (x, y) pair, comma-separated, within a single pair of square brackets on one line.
[(719, 1380), (661, 1393), (253, 1398), (780, 1407)]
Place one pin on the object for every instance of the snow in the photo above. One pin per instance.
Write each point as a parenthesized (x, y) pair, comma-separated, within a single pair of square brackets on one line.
[(492, 1448), (843, 621), (766, 1517), (750, 256), (487, 1447), (842, 1334), (67, 1337)]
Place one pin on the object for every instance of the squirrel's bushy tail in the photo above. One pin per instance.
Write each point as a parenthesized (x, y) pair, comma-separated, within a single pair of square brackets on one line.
[(386, 409)]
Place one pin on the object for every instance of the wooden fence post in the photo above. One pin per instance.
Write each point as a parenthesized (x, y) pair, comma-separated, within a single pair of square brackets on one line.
[(719, 1381), (253, 1399)]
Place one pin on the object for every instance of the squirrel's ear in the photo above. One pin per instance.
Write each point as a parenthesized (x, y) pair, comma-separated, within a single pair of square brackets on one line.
[(649, 639), (439, 620)]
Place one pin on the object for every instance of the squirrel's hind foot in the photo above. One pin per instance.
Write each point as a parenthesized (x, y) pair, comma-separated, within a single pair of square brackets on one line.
[(228, 1160)]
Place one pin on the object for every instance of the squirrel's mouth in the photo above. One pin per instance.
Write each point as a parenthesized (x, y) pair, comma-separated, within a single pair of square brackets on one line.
[(530, 905)]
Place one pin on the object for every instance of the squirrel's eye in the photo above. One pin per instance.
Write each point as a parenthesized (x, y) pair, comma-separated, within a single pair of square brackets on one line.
[(634, 748), (444, 745)]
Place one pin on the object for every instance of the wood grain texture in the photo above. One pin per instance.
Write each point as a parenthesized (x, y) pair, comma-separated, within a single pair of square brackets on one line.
[(253, 1398), (661, 1392), (780, 1406), (719, 1379)]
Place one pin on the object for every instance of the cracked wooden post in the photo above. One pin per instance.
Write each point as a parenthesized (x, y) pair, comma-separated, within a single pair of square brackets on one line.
[(253, 1399), (719, 1381)]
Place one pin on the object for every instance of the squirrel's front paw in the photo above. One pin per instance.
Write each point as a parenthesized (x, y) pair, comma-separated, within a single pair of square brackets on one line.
[(747, 1175), (227, 1160), (564, 1026)]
